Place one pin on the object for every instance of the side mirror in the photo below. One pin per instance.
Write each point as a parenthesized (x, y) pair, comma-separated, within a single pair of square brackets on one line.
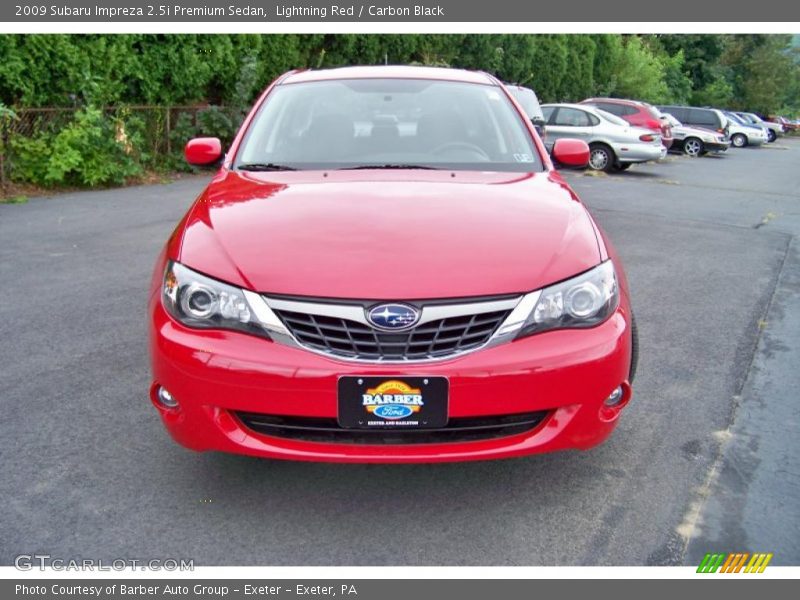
[(571, 153), (203, 151)]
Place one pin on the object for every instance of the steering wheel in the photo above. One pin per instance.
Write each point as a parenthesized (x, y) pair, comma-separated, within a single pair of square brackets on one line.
[(447, 146)]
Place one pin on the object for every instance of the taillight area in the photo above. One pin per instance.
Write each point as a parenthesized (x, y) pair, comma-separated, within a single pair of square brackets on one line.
[(646, 137), (654, 125)]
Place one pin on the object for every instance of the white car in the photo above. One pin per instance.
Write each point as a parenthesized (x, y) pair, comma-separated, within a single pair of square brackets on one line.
[(743, 134), (613, 143), (695, 141), (773, 129)]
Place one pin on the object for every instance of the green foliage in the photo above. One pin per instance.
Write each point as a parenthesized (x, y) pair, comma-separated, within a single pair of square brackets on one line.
[(759, 67), (718, 92), (19, 199), (701, 54), (92, 150), (548, 65), (608, 49), (679, 85), (6, 114), (6, 117), (754, 72), (638, 73), (30, 159), (102, 70)]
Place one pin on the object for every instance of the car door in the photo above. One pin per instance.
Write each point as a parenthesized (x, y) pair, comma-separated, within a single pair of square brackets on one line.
[(567, 122)]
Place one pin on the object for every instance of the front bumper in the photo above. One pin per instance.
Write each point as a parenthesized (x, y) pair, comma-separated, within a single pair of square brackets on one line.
[(215, 374), (717, 146)]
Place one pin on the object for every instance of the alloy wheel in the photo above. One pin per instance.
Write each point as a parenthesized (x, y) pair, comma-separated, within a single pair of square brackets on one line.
[(693, 147), (599, 159)]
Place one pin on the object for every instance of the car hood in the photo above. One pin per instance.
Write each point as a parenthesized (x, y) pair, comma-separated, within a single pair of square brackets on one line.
[(388, 234)]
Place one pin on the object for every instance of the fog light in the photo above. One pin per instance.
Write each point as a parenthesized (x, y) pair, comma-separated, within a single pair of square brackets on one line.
[(615, 397), (165, 398)]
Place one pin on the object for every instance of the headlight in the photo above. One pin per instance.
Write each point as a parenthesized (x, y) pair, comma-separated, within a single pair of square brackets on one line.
[(199, 301), (583, 301)]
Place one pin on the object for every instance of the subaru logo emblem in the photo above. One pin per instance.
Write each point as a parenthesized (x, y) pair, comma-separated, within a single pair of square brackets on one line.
[(393, 316)]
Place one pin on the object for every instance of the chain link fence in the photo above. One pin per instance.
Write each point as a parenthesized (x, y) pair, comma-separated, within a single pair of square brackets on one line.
[(160, 131)]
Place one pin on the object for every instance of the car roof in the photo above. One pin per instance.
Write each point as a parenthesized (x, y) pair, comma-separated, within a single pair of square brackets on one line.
[(516, 86), (586, 107), (617, 101), (668, 106), (390, 72)]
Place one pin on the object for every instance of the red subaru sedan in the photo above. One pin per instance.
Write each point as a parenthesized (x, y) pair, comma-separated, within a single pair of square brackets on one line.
[(387, 268)]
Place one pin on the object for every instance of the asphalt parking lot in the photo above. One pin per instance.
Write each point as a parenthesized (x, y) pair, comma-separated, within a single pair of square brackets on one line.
[(706, 458)]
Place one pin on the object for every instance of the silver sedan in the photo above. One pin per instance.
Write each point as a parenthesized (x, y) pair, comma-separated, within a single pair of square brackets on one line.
[(614, 143)]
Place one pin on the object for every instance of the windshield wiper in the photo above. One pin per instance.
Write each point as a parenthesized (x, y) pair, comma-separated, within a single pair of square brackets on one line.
[(389, 166), (264, 167)]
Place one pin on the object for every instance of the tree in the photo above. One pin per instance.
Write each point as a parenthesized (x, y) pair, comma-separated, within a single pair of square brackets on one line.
[(758, 65), (638, 73)]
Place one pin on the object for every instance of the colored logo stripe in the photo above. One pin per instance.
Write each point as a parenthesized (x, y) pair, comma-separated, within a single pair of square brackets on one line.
[(758, 563), (710, 563), (734, 562)]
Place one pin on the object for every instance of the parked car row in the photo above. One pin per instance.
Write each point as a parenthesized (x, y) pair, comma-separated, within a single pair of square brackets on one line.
[(622, 132), (613, 142)]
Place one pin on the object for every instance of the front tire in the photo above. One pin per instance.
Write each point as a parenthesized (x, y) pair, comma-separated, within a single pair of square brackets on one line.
[(693, 147), (771, 135), (739, 140), (601, 158)]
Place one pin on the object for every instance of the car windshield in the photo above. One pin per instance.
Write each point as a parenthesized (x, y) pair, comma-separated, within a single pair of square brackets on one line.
[(611, 118), (672, 120), (388, 123), (736, 119)]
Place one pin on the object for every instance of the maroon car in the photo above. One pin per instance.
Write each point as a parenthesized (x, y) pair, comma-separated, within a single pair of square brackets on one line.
[(640, 114), (787, 125)]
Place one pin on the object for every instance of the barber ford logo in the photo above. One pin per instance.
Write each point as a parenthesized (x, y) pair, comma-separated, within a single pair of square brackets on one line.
[(393, 400), (393, 316)]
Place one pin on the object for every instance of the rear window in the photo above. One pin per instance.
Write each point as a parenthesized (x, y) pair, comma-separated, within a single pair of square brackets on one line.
[(652, 111), (611, 107), (700, 116), (679, 112)]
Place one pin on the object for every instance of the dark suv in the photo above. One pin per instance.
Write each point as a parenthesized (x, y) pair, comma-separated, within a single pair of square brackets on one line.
[(639, 114), (707, 118)]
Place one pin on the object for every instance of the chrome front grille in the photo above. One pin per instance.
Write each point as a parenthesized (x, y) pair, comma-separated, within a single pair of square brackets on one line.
[(432, 339)]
